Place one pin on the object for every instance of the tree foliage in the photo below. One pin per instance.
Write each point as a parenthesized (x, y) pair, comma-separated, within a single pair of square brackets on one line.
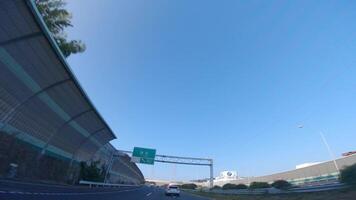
[(57, 19), (348, 175), (241, 186), (216, 187), (257, 185), (92, 172), (281, 184), (230, 186)]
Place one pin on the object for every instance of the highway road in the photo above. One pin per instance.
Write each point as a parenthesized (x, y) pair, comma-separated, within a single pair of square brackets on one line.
[(28, 191)]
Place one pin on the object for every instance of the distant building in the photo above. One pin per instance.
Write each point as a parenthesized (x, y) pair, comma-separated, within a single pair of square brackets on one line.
[(226, 176), (306, 165), (305, 174)]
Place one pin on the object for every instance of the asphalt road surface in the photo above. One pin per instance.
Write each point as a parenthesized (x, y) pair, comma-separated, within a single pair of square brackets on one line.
[(28, 191)]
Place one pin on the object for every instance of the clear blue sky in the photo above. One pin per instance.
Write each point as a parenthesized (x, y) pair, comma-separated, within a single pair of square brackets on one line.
[(229, 80)]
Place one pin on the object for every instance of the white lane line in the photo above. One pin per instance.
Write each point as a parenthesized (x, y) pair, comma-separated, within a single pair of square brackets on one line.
[(148, 194)]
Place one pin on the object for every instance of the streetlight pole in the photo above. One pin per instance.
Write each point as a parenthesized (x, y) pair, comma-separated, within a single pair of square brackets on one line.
[(329, 150)]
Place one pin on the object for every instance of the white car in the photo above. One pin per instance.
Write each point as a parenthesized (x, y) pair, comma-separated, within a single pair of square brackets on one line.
[(172, 190)]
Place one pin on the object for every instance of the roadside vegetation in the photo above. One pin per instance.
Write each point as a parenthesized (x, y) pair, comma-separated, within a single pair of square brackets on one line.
[(281, 184), (348, 194), (58, 19), (216, 187), (253, 185), (348, 175), (230, 186), (92, 172), (258, 185)]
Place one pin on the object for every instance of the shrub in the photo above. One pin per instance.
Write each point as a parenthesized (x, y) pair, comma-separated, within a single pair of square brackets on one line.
[(348, 175), (190, 186), (92, 172), (216, 187), (256, 185), (230, 186), (241, 186), (281, 184)]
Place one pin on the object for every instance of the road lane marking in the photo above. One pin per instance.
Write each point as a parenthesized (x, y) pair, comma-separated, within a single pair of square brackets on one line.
[(148, 194)]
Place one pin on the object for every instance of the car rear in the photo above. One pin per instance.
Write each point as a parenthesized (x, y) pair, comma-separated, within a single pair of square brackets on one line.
[(172, 190)]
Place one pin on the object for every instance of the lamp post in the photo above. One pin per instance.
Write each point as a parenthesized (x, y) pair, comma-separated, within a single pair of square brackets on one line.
[(329, 150), (327, 147)]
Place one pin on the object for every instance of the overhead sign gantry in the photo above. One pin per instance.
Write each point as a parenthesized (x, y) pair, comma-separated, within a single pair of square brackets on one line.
[(143, 155), (149, 156)]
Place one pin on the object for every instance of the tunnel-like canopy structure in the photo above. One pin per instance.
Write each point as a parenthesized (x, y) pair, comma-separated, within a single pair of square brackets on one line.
[(48, 125), (41, 101)]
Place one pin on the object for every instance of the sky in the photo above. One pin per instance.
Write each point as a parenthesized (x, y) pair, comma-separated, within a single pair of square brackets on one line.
[(228, 80)]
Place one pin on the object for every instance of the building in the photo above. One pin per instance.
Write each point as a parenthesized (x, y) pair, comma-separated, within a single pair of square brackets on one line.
[(315, 174), (225, 176)]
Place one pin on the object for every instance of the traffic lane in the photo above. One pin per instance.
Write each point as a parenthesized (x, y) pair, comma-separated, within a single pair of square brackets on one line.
[(7, 185), (159, 194), (138, 193), (129, 194)]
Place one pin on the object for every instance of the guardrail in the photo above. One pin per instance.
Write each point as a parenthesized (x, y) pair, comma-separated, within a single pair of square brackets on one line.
[(100, 184)]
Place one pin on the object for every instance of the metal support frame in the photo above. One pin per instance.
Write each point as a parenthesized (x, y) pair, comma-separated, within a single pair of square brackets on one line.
[(99, 149), (111, 163), (109, 167), (80, 146), (185, 161), (85, 141), (138, 175), (24, 37), (10, 114), (62, 127)]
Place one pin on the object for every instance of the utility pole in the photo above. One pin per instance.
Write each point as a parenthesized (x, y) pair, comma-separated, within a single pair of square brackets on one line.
[(329, 150)]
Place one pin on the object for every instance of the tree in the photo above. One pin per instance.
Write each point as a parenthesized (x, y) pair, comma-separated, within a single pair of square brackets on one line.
[(281, 184), (229, 186), (348, 175), (241, 186), (57, 19), (216, 187), (257, 185), (92, 172)]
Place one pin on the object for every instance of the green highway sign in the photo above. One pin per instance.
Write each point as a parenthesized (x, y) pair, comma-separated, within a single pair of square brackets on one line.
[(143, 155)]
